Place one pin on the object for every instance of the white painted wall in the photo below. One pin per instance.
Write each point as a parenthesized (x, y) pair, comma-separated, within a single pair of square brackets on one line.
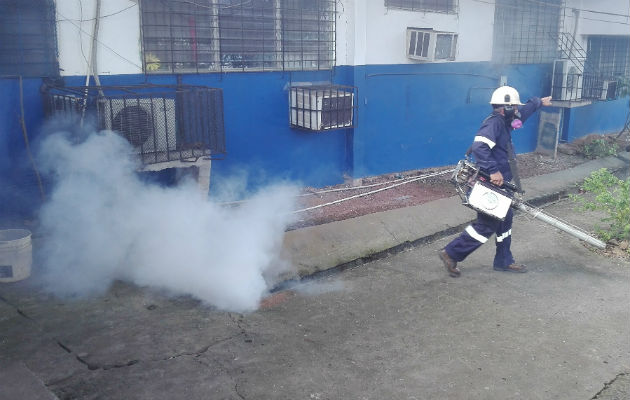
[(601, 24), (590, 23), (367, 32), (380, 33), (118, 48)]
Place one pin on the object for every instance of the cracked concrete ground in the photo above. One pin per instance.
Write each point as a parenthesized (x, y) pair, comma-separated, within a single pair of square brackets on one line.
[(395, 328)]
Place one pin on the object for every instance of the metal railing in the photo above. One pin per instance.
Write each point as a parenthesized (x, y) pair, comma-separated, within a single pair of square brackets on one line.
[(162, 123)]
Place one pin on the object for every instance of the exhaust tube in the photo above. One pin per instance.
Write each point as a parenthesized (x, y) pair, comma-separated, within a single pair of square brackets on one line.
[(538, 214)]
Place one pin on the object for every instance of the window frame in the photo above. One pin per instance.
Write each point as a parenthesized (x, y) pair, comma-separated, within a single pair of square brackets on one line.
[(451, 6), (429, 48), (522, 41), (605, 62), (313, 49)]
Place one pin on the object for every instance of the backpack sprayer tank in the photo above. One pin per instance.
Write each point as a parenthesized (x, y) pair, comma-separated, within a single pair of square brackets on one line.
[(477, 192)]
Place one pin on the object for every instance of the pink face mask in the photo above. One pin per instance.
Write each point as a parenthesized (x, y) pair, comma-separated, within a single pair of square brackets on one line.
[(517, 123)]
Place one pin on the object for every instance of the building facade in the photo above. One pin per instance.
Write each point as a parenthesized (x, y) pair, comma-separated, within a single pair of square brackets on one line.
[(415, 76)]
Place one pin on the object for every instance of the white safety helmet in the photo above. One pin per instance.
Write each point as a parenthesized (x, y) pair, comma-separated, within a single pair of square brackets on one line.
[(506, 95)]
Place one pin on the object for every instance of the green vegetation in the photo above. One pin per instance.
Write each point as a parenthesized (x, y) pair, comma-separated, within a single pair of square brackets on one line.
[(612, 196), (600, 148)]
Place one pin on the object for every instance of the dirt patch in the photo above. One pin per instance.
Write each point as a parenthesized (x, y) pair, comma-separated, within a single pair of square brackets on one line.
[(410, 188), (405, 189)]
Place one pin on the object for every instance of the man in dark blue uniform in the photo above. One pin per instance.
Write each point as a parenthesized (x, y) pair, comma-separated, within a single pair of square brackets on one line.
[(493, 150)]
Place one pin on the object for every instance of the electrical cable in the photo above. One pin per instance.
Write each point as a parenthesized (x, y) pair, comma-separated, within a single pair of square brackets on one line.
[(407, 180), (27, 143), (104, 16), (516, 7), (101, 43), (372, 192), (356, 187)]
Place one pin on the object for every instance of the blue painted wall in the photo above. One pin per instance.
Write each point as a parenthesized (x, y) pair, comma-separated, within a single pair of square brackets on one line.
[(409, 117), (19, 191), (600, 117), (424, 115)]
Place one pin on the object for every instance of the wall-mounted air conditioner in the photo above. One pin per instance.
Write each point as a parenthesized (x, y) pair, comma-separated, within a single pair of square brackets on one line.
[(147, 123), (609, 90), (566, 81), (65, 104), (320, 108), (430, 45)]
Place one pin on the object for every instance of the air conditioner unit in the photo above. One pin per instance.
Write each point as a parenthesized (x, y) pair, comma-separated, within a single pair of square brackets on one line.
[(65, 104), (609, 90), (430, 45), (566, 81), (147, 123), (321, 109)]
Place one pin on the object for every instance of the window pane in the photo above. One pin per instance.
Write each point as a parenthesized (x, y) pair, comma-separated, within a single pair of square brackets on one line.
[(28, 44), (443, 46), (526, 32), (441, 6), (235, 34)]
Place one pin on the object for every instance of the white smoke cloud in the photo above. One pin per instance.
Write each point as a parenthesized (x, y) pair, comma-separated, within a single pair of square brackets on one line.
[(103, 223)]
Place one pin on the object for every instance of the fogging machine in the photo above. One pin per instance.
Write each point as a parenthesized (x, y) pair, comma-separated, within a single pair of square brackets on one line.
[(477, 192)]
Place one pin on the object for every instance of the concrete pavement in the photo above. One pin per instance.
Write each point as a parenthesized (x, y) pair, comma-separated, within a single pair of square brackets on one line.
[(319, 248), (396, 328)]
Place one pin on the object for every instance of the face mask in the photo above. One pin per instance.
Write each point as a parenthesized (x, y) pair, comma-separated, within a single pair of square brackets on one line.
[(509, 112), (512, 115), (516, 123)]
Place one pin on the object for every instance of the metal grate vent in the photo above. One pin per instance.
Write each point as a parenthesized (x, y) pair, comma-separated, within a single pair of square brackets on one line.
[(162, 123), (321, 108)]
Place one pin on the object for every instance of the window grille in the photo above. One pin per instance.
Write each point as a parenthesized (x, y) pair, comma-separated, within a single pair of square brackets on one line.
[(440, 6), (526, 32), (162, 123), (28, 40), (607, 60), (236, 35)]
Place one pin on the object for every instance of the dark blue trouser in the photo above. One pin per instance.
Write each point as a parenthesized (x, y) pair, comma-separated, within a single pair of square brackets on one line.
[(478, 233)]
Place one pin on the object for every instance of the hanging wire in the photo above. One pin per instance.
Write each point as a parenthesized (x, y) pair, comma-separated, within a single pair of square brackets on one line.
[(373, 191), (98, 41)]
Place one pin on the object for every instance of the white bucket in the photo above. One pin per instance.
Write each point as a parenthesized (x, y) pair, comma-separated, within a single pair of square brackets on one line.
[(16, 254)]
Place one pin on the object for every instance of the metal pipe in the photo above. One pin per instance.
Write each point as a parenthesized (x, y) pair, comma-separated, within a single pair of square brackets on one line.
[(538, 214)]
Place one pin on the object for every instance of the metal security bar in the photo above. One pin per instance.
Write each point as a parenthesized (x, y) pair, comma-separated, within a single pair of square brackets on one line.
[(322, 107), (194, 36), (440, 6), (526, 32), (28, 39), (608, 60), (162, 123)]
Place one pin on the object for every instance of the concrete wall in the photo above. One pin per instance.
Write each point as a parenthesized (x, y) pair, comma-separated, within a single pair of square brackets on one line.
[(417, 116), (118, 47), (596, 23), (410, 115), (379, 33), (20, 192), (600, 117)]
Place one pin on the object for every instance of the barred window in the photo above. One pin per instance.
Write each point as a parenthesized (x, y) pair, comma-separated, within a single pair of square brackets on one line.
[(28, 40), (526, 32), (610, 55), (607, 59), (219, 35), (441, 6)]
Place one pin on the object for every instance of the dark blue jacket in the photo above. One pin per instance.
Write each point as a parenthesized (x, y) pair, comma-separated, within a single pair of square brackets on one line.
[(493, 140)]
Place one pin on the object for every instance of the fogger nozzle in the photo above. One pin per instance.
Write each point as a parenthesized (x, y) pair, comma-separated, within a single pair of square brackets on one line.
[(536, 213)]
